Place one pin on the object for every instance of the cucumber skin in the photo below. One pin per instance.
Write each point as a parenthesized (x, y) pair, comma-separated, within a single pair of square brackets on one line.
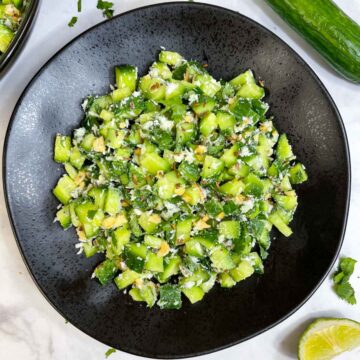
[(328, 29)]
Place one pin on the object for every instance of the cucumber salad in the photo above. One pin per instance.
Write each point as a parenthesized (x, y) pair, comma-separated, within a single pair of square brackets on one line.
[(176, 179), (11, 12)]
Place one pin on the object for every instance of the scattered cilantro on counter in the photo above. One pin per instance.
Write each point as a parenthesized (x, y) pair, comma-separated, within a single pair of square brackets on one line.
[(105, 6), (73, 21), (341, 278), (109, 352)]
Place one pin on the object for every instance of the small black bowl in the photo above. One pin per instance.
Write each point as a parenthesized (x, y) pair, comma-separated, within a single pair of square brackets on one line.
[(229, 43), (21, 35)]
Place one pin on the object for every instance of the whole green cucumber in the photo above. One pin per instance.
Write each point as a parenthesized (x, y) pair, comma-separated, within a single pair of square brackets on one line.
[(328, 29)]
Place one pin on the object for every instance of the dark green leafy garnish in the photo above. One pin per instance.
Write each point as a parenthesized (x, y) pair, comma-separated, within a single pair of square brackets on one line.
[(73, 21), (109, 352), (341, 278), (106, 7)]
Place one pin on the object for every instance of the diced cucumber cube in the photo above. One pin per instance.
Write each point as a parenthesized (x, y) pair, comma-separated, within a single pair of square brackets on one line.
[(154, 263), (183, 229), (226, 281), (106, 271), (120, 238), (194, 294), (298, 174), (194, 248), (242, 271), (221, 259), (62, 148), (135, 255), (230, 229), (64, 188), (212, 167), (279, 223), (170, 297), (232, 187), (283, 149), (112, 204), (170, 57), (153, 163), (126, 278), (208, 124), (63, 216)]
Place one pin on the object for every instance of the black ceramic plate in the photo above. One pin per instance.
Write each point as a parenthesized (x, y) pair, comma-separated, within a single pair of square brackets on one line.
[(229, 43), (15, 46)]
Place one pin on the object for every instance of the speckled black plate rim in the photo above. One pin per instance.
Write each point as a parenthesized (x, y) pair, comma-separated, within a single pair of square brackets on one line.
[(327, 95), (21, 35)]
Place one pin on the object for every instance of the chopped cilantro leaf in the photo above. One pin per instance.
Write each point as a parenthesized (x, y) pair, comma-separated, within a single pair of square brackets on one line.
[(102, 5), (341, 278), (347, 265), (73, 21), (79, 5), (107, 7), (346, 292), (109, 352), (108, 13)]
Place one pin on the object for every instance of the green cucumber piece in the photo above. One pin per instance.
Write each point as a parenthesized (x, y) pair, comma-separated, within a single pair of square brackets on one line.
[(208, 124), (170, 58), (154, 263), (135, 255), (212, 167), (153, 89), (62, 148), (112, 203), (194, 294), (170, 297), (126, 278), (298, 174), (226, 281), (246, 77), (126, 76), (171, 267), (77, 159), (153, 163), (283, 149), (120, 237), (242, 271), (276, 219), (63, 216), (328, 29), (221, 259), (183, 229), (204, 105), (106, 271), (230, 229), (64, 188), (6, 36)]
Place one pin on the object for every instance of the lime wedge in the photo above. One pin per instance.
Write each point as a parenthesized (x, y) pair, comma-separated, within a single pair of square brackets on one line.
[(325, 338)]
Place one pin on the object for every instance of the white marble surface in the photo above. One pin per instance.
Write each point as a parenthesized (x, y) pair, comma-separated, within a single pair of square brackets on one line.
[(30, 329)]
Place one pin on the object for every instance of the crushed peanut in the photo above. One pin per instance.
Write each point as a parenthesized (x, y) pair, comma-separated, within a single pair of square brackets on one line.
[(99, 145), (81, 234), (179, 189), (155, 219), (164, 249), (200, 149), (79, 178)]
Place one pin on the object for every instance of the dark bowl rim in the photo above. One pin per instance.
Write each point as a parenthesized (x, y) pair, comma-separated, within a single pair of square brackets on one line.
[(20, 36), (348, 180)]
